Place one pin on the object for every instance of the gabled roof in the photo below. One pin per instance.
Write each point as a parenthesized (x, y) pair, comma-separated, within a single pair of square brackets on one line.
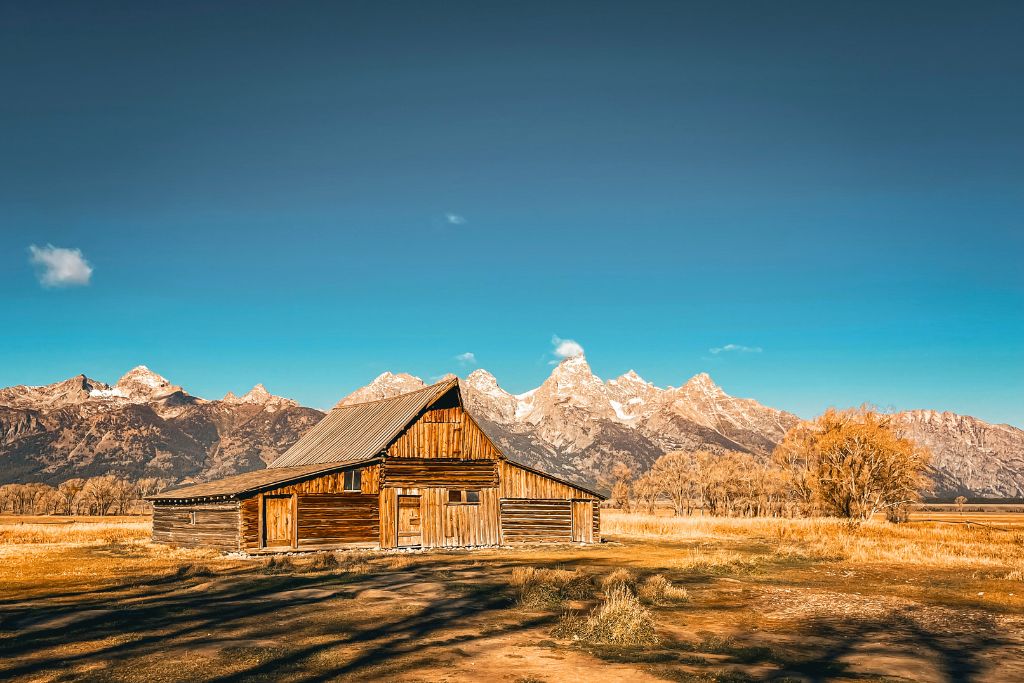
[(250, 482), (362, 430)]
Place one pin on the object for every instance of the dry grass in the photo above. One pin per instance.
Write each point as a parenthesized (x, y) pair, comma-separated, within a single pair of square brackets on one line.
[(657, 590), (936, 545), (619, 619), (74, 532), (619, 577), (543, 588)]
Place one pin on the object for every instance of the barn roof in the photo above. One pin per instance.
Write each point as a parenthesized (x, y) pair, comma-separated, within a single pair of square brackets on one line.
[(250, 482), (355, 432)]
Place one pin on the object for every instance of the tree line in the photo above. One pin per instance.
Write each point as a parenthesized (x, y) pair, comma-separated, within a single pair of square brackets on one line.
[(107, 494), (846, 463)]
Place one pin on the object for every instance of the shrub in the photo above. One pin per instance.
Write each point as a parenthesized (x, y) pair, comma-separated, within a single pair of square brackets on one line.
[(323, 562), (619, 577), (657, 590), (549, 587), (189, 571), (619, 619), (278, 565)]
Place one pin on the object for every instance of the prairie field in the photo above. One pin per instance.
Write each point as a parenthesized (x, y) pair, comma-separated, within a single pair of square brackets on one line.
[(940, 598)]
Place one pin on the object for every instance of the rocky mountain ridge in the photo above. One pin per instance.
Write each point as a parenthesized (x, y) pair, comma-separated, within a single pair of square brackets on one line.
[(574, 424)]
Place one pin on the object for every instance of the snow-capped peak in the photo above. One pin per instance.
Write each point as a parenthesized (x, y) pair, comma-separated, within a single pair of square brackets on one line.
[(141, 383)]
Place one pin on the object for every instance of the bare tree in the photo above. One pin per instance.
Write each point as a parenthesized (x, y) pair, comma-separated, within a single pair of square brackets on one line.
[(960, 501), (69, 491), (678, 475), (98, 493), (646, 490), (857, 463)]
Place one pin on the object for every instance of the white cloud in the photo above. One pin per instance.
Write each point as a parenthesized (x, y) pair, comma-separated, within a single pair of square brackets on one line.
[(455, 219), (58, 267), (566, 348), (467, 358), (738, 348)]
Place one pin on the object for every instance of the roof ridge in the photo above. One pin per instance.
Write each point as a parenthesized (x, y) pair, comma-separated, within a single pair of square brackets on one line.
[(428, 387)]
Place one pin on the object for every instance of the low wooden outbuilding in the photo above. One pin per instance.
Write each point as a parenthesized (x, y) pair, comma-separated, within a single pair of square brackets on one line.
[(410, 471)]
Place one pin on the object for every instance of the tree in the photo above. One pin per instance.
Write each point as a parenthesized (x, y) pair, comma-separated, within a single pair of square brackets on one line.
[(960, 501), (69, 491), (98, 493), (124, 493), (678, 476), (856, 463), (622, 478), (646, 489)]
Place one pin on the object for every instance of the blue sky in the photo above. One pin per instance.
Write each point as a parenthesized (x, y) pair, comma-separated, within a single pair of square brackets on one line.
[(309, 194)]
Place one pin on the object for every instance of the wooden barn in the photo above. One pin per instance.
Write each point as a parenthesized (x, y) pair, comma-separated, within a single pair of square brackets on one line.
[(413, 471)]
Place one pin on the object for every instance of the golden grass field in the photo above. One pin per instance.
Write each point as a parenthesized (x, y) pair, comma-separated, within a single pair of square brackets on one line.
[(740, 600)]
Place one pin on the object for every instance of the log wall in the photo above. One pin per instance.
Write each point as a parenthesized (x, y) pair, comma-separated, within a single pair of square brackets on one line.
[(450, 473), (534, 521), (216, 525), (444, 433), (517, 482), (333, 482), (338, 518)]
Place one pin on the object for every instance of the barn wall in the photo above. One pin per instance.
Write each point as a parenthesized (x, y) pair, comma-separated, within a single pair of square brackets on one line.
[(517, 482), (338, 518), (531, 520), (444, 433), (216, 525), (388, 518), (413, 472), (333, 482)]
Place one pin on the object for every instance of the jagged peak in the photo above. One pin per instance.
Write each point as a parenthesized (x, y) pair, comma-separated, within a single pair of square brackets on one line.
[(630, 377), (143, 375)]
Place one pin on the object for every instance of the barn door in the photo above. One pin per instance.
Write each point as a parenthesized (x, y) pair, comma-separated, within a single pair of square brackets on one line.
[(277, 521), (409, 530), (582, 521)]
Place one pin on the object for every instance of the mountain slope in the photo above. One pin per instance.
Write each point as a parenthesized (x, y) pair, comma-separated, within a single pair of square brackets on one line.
[(573, 424)]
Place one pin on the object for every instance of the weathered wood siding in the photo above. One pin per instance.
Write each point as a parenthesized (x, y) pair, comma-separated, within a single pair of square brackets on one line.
[(443, 524), (388, 518), (597, 521), (216, 525), (331, 483), (444, 433), (249, 524), (531, 521), (517, 482), (414, 472), (338, 518)]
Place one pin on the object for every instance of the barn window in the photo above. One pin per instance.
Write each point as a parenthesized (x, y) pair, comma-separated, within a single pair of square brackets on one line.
[(459, 496), (353, 480)]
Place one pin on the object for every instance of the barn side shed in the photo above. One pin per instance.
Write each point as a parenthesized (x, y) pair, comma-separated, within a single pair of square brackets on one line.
[(414, 470)]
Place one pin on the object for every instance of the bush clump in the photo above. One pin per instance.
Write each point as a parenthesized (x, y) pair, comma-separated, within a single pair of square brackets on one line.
[(278, 564), (324, 562), (657, 590), (619, 577), (191, 571), (619, 619), (549, 587)]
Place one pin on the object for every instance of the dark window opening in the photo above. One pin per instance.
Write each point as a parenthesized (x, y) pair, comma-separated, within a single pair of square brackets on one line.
[(460, 497), (353, 480)]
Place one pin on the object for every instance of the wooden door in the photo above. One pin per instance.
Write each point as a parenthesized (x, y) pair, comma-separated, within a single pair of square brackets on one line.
[(278, 521), (582, 521), (410, 531)]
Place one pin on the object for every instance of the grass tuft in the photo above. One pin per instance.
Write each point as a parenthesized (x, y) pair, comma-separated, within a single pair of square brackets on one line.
[(541, 588), (619, 619), (657, 590)]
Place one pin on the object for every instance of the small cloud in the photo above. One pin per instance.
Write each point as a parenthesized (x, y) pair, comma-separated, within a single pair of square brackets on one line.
[(738, 348), (455, 219), (467, 358), (58, 267), (566, 348)]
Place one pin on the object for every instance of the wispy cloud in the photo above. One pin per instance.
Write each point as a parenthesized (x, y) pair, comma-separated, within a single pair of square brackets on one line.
[(467, 358), (735, 348), (59, 267), (566, 348), (455, 219)]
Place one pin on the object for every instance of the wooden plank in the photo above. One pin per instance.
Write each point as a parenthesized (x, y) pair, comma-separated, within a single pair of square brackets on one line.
[(536, 520)]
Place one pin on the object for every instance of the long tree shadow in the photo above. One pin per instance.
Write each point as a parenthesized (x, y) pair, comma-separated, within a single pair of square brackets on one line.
[(170, 614)]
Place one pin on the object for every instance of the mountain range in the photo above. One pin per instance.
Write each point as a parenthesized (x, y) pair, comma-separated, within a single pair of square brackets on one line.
[(574, 424)]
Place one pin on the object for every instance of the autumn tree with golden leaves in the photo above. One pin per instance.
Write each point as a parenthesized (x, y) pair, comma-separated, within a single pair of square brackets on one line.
[(853, 463)]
